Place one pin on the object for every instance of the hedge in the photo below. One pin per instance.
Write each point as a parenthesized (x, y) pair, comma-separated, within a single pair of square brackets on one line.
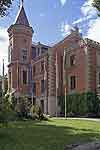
[(80, 104)]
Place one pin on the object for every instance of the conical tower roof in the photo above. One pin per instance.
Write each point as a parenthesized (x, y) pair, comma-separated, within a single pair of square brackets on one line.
[(21, 17)]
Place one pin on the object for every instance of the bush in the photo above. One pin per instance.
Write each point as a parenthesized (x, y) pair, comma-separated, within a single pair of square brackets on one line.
[(80, 104), (6, 113), (22, 107), (36, 113)]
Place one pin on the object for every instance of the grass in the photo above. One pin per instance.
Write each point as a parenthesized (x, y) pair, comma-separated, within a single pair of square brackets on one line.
[(54, 134)]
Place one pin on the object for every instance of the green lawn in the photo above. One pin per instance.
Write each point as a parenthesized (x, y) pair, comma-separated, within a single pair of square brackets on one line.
[(50, 135)]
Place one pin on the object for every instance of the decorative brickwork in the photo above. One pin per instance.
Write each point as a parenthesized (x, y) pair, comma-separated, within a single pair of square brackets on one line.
[(32, 66)]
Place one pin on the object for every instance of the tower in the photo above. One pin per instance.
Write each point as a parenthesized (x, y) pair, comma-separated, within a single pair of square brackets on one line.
[(20, 42)]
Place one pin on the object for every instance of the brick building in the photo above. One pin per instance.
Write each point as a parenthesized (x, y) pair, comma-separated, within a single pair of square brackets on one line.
[(38, 71)]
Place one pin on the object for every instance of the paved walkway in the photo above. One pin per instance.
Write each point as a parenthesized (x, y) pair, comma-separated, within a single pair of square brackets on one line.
[(69, 118)]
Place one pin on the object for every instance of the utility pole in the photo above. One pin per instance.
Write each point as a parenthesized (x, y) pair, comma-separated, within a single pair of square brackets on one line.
[(3, 80), (32, 91), (64, 82), (65, 105), (56, 85)]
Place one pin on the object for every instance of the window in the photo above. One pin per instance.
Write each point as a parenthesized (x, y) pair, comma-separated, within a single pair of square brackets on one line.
[(24, 77), (34, 70), (72, 60), (24, 54), (42, 66), (38, 51), (72, 82), (43, 49), (9, 53), (33, 52), (42, 86)]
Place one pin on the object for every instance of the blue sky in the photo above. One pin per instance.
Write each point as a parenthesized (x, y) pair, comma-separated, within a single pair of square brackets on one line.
[(46, 17), (52, 20)]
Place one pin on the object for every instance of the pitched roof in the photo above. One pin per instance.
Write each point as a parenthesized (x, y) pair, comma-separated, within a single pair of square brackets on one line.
[(21, 17)]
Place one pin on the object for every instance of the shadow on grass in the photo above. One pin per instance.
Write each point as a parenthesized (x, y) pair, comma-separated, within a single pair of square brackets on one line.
[(40, 136)]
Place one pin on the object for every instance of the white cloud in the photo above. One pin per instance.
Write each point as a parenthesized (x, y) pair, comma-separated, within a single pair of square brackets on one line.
[(63, 2), (81, 20), (93, 23), (89, 22), (88, 12), (65, 29), (87, 9), (93, 32), (3, 47)]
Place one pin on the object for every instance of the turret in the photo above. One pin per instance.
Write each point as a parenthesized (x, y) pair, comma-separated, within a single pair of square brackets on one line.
[(20, 42)]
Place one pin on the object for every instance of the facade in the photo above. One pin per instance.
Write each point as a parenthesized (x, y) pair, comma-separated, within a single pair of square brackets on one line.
[(42, 72)]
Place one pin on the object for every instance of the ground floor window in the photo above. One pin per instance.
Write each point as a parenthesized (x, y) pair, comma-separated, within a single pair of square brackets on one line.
[(24, 77), (72, 82), (42, 86)]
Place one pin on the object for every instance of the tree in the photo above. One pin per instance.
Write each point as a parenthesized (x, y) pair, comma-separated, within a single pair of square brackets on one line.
[(6, 113), (96, 4), (4, 6), (23, 106)]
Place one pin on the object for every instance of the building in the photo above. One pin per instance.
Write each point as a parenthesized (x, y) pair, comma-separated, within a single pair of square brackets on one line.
[(38, 71)]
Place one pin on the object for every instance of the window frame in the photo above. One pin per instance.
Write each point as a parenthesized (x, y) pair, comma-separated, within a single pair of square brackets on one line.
[(72, 82), (42, 86), (72, 60), (23, 55), (25, 83)]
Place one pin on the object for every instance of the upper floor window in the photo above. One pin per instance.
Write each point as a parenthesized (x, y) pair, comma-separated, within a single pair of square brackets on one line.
[(42, 66), (38, 52), (24, 77), (33, 52), (72, 60), (43, 49), (72, 82), (9, 53), (24, 55)]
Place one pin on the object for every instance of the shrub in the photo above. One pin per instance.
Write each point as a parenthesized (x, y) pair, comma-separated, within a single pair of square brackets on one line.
[(6, 113), (36, 113), (22, 107), (80, 104)]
